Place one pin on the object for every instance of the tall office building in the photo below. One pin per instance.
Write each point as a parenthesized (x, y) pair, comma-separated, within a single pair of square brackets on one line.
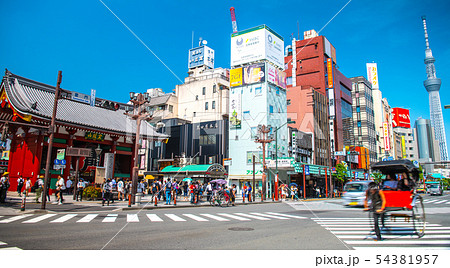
[(428, 146), (432, 85)]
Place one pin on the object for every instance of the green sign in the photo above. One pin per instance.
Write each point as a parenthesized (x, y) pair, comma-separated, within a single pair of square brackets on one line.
[(94, 136), (60, 154)]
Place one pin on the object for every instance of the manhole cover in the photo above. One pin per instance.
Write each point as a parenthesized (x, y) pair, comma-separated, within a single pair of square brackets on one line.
[(240, 229)]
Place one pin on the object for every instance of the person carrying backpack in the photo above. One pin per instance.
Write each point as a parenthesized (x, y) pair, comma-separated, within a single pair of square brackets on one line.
[(20, 183), (168, 190), (107, 191)]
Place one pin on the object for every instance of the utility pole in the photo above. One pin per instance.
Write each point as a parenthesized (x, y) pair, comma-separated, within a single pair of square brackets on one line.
[(254, 180), (139, 114), (50, 141), (263, 138)]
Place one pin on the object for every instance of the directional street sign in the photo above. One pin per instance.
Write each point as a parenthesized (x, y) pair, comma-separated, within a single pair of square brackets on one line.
[(306, 170), (63, 161), (56, 162)]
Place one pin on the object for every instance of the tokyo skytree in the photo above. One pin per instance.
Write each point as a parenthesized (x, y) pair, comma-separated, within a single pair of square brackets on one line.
[(432, 85)]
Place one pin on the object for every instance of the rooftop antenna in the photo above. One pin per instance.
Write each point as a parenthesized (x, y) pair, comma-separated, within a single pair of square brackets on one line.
[(233, 20), (200, 41), (192, 39)]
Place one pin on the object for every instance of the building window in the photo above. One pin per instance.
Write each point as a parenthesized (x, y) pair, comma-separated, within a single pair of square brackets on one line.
[(196, 97), (213, 105), (270, 109), (194, 114), (358, 109), (278, 91), (359, 123), (288, 102), (207, 139), (289, 80), (206, 105), (214, 88), (171, 108), (258, 91), (204, 91)]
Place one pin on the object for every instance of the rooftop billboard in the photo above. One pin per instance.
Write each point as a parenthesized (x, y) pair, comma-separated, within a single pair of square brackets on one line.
[(400, 118), (258, 43), (372, 74)]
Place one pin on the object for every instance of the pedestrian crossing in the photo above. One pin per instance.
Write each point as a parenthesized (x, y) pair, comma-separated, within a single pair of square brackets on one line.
[(436, 201), (143, 217), (358, 233)]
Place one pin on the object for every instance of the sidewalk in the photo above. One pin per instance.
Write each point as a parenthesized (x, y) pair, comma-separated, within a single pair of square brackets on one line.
[(14, 201)]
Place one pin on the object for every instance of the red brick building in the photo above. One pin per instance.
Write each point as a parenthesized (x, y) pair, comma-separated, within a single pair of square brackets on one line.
[(315, 83)]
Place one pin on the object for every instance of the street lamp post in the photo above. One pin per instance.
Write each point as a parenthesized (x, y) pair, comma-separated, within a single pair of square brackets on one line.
[(139, 114), (276, 156), (98, 151), (263, 139)]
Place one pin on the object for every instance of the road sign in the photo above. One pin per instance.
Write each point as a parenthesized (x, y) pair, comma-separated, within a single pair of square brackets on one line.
[(416, 163), (62, 161), (366, 176), (56, 162), (390, 158), (339, 153), (56, 167), (306, 170), (356, 174)]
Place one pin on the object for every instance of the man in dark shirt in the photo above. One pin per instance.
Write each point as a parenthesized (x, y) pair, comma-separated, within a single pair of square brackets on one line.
[(375, 202)]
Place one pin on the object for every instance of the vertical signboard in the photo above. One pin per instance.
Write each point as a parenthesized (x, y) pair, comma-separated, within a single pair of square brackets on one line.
[(60, 154), (387, 145), (93, 91), (109, 165), (330, 72), (372, 74), (235, 109), (404, 155), (236, 77)]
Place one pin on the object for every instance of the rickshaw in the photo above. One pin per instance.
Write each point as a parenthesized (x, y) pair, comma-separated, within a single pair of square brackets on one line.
[(400, 203)]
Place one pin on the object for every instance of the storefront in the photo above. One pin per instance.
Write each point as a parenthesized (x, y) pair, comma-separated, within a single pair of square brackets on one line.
[(107, 133), (202, 173)]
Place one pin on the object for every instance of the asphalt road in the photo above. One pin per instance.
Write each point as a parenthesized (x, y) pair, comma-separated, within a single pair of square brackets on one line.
[(313, 225)]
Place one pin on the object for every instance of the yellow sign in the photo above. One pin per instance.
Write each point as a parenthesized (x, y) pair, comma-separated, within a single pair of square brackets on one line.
[(236, 77), (404, 155)]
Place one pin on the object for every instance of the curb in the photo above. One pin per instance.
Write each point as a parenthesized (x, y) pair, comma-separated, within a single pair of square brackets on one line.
[(189, 206)]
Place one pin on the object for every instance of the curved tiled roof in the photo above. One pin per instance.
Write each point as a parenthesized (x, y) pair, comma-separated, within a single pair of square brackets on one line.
[(36, 99)]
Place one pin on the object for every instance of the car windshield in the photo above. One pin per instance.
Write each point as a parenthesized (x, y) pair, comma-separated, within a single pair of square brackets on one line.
[(355, 187), (433, 186)]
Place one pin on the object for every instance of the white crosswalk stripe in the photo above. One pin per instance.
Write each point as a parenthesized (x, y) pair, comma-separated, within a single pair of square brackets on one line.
[(197, 218), (154, 217), (174, 217), (64, 218), (270, 216), (88, 218), (132, 218), (252, 216), (359, 233), (286, 215), (440, 202), (214, 217), (15, 218), (233, 217), (110, 218), (40, 218), (11, 248)]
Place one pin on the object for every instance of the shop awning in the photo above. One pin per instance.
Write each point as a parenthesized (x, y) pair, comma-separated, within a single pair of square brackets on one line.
[(214, 170)]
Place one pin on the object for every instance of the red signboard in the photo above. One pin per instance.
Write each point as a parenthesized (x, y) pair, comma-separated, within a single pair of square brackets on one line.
[(330, 72), (400, 118)]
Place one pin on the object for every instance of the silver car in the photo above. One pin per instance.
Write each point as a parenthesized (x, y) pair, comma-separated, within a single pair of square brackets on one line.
[(355, 193), (435, 189)]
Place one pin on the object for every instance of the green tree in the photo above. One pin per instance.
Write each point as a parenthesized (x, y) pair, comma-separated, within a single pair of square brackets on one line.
[(341, 172), (377, 177)]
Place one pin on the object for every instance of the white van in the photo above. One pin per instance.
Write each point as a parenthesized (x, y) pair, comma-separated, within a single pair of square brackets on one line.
[(355, 193)]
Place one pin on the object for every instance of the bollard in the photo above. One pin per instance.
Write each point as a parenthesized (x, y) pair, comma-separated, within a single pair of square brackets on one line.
[(22, 206), (175, 199), (156, 200), (129, 200), (273, 197)]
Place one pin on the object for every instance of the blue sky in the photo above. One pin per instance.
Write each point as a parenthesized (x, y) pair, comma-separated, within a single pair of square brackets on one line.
[(94, 50)]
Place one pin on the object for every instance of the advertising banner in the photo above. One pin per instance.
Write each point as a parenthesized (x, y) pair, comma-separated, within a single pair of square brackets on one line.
[(254, 73), (236, 77), (401, 118), (276, 76), (109, 165), (255, 44), (372, 74), (235, 110), (387, 145), (330, 72), (404, 155), (200, 56)]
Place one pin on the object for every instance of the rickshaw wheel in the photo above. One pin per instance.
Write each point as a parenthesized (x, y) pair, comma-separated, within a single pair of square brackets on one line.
[(418, 215)]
